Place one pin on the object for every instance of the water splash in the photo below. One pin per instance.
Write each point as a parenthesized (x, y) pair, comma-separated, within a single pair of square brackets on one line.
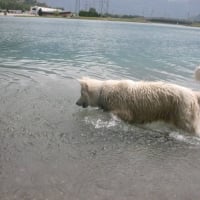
[(192, 140), (155, 128), (102, 123)]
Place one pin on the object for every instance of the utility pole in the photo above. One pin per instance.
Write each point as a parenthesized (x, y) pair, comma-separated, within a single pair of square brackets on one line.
[(86, 5), (104, 6), (93, 4), (77, 7), (107, 6), (101, 7)]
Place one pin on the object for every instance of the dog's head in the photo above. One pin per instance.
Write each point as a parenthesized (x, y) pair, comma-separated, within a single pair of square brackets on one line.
[(84, 98), (90, 89)]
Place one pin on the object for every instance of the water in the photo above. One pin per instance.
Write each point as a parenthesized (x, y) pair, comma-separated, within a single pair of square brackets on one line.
[(52, 149)]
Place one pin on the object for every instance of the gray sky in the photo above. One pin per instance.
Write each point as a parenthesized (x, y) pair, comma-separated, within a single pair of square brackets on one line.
[(155, 8)]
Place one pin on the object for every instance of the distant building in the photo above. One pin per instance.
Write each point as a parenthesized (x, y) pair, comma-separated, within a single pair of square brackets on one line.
[(42, 11), (37, 10)]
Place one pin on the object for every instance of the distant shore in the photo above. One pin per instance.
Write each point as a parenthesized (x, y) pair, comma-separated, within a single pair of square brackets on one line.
[(136, 19), (144, 20), (17, 15)]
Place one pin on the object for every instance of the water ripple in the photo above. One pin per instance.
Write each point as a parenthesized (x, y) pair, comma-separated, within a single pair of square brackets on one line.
[(51, 149)]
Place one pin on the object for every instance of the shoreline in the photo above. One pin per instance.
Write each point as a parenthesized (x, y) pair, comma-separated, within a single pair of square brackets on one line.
[(134, 20)]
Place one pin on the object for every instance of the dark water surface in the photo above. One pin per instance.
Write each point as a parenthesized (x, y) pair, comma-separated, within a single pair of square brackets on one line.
[(51, 149)]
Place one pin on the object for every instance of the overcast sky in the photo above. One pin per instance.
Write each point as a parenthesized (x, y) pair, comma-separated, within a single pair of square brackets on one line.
[(155, 8)]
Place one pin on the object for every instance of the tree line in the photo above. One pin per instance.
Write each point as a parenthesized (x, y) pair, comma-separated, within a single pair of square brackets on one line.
[(91, 13), (19, 5)]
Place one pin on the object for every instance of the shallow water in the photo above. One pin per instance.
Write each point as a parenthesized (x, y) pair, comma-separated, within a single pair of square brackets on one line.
[(52, 149)]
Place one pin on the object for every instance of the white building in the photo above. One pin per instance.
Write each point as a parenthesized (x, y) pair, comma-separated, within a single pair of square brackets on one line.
[(37, 10)]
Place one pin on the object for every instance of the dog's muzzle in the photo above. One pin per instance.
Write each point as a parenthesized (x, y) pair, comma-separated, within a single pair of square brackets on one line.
[(83, 104)]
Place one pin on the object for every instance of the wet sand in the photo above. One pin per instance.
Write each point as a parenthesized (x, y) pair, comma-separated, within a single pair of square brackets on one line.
[(50, 149)]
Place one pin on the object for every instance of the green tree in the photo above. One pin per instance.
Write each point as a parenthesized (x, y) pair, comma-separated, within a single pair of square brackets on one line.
[(91, 13)]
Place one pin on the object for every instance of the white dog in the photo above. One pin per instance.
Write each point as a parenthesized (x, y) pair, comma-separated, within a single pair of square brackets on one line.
[(143, 102)]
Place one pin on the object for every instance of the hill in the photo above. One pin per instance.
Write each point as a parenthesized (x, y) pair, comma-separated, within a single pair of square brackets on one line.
[(19, 4)]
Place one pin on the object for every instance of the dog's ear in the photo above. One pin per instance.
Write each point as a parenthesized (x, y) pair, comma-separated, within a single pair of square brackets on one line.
[(83, 84), (79, 80)]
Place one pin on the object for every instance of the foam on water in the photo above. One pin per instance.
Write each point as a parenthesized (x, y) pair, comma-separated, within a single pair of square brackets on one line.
[(102, 123), (192, 140), (112, 122)]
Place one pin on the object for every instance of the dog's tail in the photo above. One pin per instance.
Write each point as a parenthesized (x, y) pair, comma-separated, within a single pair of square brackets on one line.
[(197, 73)]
